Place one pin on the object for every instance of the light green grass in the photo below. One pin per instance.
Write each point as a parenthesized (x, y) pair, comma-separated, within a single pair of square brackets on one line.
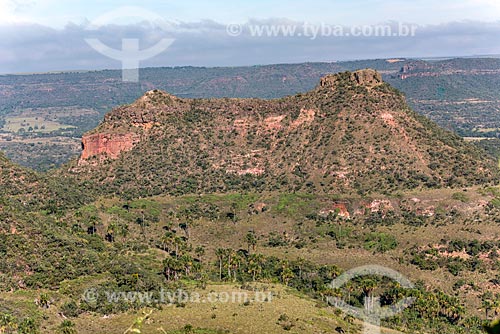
[(15, 123)]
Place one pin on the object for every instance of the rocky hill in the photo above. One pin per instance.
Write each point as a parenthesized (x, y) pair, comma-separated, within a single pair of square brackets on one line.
[(352, 134), (458, 94)]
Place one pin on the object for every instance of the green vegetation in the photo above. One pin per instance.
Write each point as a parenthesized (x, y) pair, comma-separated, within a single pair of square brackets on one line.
[(276, 207), (162, 243), (380, 242)]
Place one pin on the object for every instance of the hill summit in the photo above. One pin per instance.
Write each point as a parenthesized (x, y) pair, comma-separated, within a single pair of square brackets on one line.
[(367, 78), (352, 133)]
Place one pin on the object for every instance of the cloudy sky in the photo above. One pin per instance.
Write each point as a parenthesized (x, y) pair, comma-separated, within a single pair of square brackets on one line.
[(50, 35)]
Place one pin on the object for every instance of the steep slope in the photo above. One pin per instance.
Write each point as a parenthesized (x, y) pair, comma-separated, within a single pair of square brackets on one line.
[(353, 133), (32, 191), (15, 180)]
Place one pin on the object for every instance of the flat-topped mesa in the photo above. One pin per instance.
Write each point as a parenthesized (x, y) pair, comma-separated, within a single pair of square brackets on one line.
[(366, 77)]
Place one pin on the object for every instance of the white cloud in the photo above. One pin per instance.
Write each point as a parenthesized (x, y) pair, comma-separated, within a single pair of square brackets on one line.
[(36, 48), (491, 3), (6, 12), (14, 11)]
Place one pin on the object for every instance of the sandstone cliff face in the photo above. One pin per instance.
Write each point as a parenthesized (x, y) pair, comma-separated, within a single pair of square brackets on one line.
[(108, 145), (339, 209), (140, 117)]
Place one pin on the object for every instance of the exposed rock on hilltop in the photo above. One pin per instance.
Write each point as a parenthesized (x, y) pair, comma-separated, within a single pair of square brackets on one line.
[(367, 78), (353, 133)]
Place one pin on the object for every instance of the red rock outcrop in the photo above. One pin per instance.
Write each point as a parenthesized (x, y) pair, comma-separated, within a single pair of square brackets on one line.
[(340, 209), (108, 145)]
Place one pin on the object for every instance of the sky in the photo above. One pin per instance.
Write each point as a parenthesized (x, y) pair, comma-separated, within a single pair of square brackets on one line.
[(50, 35)]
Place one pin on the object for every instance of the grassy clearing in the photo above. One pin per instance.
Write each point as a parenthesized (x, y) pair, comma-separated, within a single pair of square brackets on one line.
[(44, 120), (16, 124), (237, 317), (207, 313), (292, 204), (239, 201)]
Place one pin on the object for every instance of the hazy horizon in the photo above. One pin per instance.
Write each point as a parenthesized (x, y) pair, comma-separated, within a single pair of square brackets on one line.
[(76, 70), (50, 35)]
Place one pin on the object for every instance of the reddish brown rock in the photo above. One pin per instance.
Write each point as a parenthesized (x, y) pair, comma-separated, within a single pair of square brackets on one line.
[(108, 145), (367, 77), (340, 209), (258, 208)]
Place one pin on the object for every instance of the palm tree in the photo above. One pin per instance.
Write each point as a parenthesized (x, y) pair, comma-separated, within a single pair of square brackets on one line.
[(220, 256), (167, 241), (235, 263), (185, 227), (178, 243), (111, 232), (286, 273), (200, 251), (142, 223), (172, 268), (234, 206), (368, 286), (251, 240), (350, 289), (255, 262), (123, 231), (228, 265), (187, 262)]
